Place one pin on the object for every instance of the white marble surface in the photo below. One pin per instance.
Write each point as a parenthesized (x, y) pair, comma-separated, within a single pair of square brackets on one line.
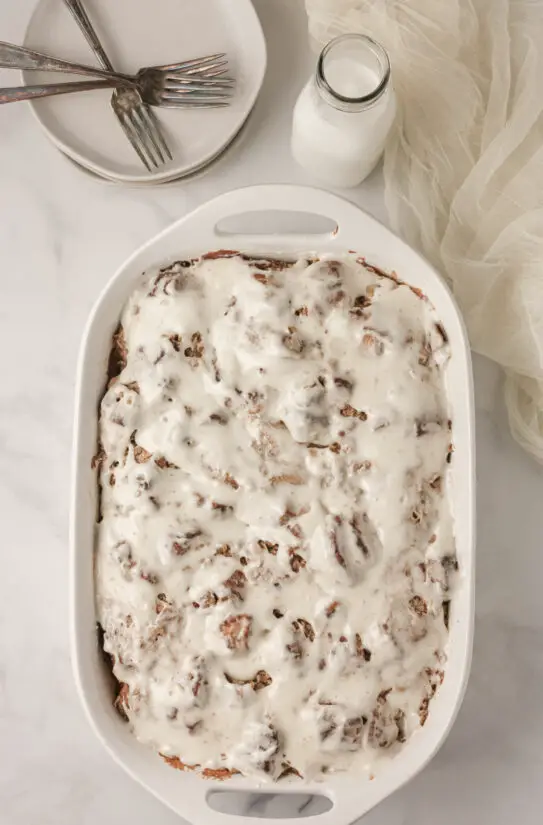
[(62, 234)]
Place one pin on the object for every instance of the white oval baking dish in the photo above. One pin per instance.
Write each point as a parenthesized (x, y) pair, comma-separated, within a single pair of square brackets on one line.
[(189, 237)]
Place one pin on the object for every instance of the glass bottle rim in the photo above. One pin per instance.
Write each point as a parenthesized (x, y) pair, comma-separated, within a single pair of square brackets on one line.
[(343, 102)]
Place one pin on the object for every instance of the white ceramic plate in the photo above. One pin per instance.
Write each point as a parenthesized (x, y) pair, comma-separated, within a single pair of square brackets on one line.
[(138, 33), (201, 231)]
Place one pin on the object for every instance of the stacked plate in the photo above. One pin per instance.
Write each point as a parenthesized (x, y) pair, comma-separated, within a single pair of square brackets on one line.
[(138, 33)]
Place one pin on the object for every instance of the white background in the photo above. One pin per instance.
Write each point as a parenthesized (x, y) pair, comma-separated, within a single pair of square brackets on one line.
[(62, 234)]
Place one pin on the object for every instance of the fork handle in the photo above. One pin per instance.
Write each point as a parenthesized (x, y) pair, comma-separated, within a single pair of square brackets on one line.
[(18, 57), (17, 93), (82, 19)]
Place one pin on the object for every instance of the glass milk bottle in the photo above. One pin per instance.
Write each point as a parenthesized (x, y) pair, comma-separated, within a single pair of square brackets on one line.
[(343, 115)]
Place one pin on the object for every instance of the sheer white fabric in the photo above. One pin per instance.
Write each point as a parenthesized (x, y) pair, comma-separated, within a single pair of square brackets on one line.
[(464, 167)]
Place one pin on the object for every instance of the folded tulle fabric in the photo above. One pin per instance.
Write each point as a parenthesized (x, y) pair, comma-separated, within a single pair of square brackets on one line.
[(464, 167)]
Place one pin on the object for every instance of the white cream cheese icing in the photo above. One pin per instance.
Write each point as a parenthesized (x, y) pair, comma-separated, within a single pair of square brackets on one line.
[(276, 545)]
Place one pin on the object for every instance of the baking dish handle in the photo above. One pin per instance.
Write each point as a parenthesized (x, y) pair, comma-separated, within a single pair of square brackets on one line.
[(345, 809), (285, 198)]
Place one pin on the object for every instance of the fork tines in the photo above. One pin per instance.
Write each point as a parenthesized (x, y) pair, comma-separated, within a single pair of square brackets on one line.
[(193, 91), (174, 101), (199, 82), (140, 125), (197, 63)]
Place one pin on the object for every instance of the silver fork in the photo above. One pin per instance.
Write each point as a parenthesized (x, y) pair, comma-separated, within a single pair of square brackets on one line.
[(205, 71), (16, 94), (194, 83), (179, 90), (137, 121)]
